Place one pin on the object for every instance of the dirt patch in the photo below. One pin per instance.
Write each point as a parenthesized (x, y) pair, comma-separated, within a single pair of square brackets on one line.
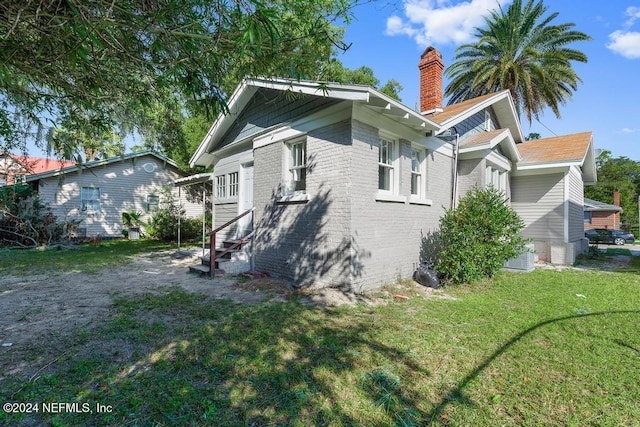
[(41, 308)]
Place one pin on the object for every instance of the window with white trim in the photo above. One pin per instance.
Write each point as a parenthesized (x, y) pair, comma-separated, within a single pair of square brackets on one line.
[(418, 172), (221, 186), (153, 200), (297, 166), (387, 165), (497, 178), (233, 184), (90, 199)]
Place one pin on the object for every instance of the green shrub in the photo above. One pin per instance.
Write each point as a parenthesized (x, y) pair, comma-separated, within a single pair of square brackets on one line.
[(164, 222), (26, 222), (475, 239)]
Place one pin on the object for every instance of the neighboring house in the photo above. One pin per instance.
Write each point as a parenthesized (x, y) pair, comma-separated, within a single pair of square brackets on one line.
[(602, 215), (14, 169), (98, 192), (345, 179)]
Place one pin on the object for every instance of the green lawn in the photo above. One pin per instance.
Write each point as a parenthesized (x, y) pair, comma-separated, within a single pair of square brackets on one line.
[(87, 258), (544, 348)]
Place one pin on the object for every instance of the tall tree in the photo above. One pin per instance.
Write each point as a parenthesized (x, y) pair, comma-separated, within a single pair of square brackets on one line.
[(522, 51), (361, 76), (622, 174), (69, 63)]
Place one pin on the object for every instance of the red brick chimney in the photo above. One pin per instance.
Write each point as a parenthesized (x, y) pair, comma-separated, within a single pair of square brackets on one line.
[(431, 67), (616, 197)]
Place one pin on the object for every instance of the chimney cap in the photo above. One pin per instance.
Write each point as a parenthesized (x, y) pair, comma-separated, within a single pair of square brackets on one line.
[(428, 51)]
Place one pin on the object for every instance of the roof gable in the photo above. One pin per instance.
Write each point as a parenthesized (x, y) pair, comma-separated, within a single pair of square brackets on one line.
[(97, 163), (225, 126), (502, 105)]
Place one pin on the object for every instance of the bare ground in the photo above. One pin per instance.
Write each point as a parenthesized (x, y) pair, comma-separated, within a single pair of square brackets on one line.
[(46, 307)]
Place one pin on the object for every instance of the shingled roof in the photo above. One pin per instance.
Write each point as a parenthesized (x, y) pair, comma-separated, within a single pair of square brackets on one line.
[(565, 148), (451, 111)]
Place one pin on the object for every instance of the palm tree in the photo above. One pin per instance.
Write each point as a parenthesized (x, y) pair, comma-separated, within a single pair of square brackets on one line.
[(522, 52)]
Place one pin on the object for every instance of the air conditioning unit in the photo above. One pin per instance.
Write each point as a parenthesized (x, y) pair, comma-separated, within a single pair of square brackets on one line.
[(524, 262)]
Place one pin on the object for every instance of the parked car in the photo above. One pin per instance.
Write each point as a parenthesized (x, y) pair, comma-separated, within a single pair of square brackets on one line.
[(609, 235)]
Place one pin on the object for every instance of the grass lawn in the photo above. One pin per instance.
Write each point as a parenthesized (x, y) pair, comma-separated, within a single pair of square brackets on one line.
[(544, 348), (86, 258)]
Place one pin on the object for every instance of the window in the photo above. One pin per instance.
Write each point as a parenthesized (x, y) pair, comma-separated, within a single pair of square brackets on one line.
[(221, 187), (90, 199), (588, 217), (497, 178), (233, 184), (152, 202), (386, 168), (297, 166), (417, 172)]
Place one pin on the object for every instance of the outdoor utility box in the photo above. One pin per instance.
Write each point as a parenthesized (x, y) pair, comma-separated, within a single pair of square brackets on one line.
[(524, 262), (134, 233)]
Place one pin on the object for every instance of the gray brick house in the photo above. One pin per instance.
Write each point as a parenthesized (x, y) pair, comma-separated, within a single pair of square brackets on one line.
[(344, 179)]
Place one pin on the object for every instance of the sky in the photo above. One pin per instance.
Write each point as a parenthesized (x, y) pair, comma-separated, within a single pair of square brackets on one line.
[(389, 37)]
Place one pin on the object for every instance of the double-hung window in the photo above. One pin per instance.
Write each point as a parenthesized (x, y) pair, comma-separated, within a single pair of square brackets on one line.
[(496, 178), (153, 200), (297, 166), (386, 165), (90, 199), (233, 184), (418, 176), (221, 186)]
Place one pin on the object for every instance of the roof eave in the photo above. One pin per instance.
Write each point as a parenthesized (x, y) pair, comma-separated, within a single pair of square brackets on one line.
[(205, 153)]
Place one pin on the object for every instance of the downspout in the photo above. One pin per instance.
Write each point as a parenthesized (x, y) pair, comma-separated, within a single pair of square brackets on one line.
[(454, 187)]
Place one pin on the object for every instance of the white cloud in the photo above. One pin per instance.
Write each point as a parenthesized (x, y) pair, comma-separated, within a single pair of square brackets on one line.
[(441, 21), (629, 130), (633, 13), (626, 43)]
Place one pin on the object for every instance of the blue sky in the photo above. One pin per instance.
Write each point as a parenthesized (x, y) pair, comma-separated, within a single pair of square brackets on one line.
[(390, 37)]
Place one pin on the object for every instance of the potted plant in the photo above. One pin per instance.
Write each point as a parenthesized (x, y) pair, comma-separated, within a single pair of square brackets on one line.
[(132, 221)]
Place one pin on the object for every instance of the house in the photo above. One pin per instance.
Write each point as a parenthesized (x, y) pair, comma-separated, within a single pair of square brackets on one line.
[(602, 215), (15, 168), (98, 192), (344, 179)]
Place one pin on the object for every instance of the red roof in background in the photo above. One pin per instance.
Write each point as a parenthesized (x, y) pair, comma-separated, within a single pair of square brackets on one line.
[(39, 164)]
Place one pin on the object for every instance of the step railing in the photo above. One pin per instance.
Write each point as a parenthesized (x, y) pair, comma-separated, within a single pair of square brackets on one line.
[(212, 238)]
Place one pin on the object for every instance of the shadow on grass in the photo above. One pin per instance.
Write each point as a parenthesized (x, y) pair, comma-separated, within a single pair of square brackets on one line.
[(457, 392), (177, 359)]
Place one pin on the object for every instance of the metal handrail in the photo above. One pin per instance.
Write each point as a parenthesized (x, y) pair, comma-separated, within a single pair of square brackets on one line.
[(212, 240), (228, 223)]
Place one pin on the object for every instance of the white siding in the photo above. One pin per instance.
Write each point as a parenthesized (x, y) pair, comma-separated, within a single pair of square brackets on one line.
[(124, 186), (539, 200)]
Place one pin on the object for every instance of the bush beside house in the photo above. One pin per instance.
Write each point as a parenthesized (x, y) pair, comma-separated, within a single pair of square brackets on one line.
[(476, 238)]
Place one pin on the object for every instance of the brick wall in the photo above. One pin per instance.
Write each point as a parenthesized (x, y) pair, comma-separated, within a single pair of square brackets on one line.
[(386, 235), (307, 244), (602, 219)]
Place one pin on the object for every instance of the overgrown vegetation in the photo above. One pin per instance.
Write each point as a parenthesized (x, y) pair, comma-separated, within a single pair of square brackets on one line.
[(25, 222), (164, 222), (475, 239), (546, 348)]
